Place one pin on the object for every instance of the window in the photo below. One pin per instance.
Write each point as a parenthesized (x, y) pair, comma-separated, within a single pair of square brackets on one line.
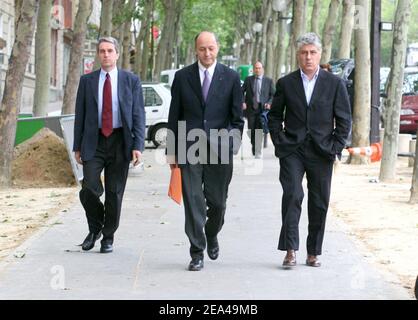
[(152, 98), (1, 26)]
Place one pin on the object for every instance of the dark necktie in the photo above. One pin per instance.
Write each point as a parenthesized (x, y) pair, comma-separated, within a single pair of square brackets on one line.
[(205, 85), (107, 123)]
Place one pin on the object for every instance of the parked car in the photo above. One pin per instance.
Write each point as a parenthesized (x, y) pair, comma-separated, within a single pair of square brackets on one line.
[(157, 98), (409, 109), (167, 76), (345, 68)]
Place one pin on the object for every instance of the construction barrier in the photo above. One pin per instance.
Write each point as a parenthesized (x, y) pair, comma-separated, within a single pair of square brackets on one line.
[(374, 151)]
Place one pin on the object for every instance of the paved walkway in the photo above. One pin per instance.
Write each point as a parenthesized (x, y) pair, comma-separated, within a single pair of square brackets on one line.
[(151, 250)]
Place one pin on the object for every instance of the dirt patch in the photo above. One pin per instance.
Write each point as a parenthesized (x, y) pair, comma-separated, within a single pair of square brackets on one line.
[(379, 215), (24, 211), (42, 161)]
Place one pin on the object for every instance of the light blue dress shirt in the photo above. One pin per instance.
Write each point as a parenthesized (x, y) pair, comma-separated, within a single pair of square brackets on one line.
[(116, 119), (309, 85)]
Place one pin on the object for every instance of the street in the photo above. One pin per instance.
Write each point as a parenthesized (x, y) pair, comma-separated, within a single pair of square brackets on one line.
[(150, 255)]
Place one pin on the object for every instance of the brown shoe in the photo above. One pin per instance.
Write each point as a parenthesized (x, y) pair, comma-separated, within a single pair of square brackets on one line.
[(290, 259), (313, 261)]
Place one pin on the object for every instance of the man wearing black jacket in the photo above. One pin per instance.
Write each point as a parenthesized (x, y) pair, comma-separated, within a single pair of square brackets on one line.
[(309, 123)]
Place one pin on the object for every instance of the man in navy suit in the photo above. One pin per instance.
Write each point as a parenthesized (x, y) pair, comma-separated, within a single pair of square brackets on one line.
[(309, 122), (109, 132), (206, 122)]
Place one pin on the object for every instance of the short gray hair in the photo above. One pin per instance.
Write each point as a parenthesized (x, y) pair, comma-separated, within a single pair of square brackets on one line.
[(308, 38), (110, 40)]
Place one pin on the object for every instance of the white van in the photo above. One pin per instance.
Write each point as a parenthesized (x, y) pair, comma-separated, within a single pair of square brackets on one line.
[(167, 76)]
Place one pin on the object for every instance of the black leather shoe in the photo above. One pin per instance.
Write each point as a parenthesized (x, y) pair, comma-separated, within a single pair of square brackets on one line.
[(213, 248), (196, 264), (90, 240), (106, 247)]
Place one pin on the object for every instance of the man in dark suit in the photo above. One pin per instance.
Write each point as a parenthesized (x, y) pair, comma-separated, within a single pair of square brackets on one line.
[(258, 91), (109, 132), (309, 122), (206, 107)]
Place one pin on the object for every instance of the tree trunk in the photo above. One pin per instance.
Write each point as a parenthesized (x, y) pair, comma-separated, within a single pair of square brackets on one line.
[(10, 104), (315, 16), (106, 25), (42, 58), (191, 54), (146, 50), (346, 29), (280, 51), (290, 50), (362, 85), (76, 56), (272, 36), (126, 42), (18, 8), (165, 50), (118, 25), (298, 28), (140, 41), (394, 99), (329, 30), (414, 186), (265, 14), (118, 12)]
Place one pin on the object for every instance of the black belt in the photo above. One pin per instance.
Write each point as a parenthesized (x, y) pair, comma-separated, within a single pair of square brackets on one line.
[(114, 130)]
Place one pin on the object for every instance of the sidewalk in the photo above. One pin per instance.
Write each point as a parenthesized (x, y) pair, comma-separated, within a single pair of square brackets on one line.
[(150, 255)]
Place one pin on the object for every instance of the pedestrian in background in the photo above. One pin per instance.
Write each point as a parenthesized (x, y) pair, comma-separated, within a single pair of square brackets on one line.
[(258, 91)]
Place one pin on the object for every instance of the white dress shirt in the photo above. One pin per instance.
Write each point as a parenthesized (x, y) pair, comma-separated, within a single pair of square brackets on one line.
[(309, 85), (202, 69)]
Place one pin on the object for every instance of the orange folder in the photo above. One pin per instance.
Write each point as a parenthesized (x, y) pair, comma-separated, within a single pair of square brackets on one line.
[(174, 189)]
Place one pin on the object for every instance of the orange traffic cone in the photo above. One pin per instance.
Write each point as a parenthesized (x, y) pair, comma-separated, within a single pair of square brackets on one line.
[(374, 151)]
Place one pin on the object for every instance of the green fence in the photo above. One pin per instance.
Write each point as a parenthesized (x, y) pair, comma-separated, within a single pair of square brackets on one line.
[(28, 126), (245, 71)]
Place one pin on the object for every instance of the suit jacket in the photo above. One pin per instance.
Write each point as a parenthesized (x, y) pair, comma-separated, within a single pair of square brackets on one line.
[(327, 119), (222, 110), (131, 107), (266, 93)]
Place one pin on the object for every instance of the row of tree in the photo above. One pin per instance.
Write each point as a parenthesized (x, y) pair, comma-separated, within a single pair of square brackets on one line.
[(248, 29)]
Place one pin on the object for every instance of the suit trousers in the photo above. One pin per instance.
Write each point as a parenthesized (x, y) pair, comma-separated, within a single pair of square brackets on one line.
[(205, 190), (256, 136), (109, 157), (318, 171)]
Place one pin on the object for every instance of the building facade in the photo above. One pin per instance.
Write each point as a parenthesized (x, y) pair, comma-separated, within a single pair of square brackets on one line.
[(63, 14)]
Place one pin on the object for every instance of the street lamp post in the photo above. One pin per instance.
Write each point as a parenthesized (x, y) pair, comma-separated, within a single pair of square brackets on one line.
[(375, 71), (257, 29)]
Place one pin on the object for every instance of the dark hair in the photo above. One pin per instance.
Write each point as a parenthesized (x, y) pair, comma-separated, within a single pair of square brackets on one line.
[(325, 66)]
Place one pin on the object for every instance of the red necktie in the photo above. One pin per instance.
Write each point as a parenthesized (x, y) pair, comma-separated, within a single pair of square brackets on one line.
[(107, 123)]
